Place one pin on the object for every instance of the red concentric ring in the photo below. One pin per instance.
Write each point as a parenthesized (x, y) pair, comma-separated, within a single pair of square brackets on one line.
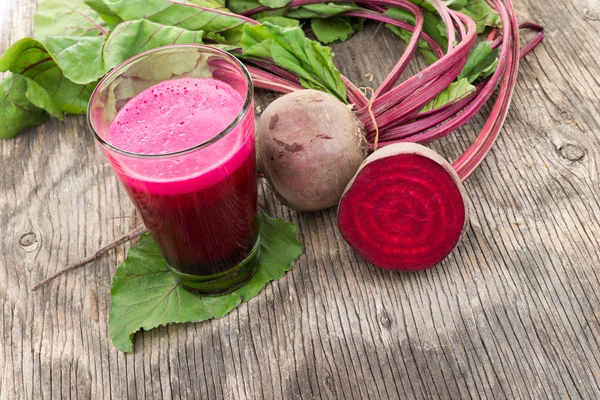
[(403, 212)]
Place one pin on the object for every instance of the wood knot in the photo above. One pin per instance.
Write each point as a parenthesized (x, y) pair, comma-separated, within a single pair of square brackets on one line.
[(384, 319), (28, 241), (571, 152), (590, 15), (330, 383)]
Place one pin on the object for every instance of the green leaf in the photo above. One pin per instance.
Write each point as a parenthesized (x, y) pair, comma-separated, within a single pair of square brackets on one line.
[(182, 15), (425, 4), (483, 15), (358, 24), (274, 3), (28, 57), (79, 58), (23, 54), (24, 104), (481, 12), (454, 92), (146, 295), (330, 30), (319, 10), (482, 63), (241, 6), (217, 5), (104, 12), (280, 21), (322, 10), (453, 4), (67, 18), (40, 98), (84, 60), (423, 47), (432, 25), (484, 69), (293, 51), (134, 37)]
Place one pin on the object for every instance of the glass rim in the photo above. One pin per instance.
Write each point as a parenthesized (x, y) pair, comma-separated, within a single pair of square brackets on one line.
[(241, 115)]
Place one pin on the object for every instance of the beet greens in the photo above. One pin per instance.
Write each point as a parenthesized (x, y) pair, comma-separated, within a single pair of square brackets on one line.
[(400, 113)]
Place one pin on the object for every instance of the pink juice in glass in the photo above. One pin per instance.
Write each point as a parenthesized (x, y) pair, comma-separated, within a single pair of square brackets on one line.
[(200, 207)]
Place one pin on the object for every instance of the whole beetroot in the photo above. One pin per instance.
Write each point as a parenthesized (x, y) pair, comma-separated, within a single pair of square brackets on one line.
[(309, 145)]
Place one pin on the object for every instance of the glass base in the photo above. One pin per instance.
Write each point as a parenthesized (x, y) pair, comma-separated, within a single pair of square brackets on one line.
[(225, 282)]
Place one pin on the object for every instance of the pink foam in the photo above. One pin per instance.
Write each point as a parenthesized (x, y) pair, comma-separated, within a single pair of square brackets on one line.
[(176, 115)]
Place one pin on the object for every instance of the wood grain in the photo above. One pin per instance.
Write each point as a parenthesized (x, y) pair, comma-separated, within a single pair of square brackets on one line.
[(513, 313)]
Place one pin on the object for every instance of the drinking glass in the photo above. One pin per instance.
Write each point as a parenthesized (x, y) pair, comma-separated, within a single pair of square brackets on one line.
[(199, 203)]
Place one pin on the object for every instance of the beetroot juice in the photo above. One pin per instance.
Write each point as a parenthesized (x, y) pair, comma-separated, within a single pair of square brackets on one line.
[(200, 205)]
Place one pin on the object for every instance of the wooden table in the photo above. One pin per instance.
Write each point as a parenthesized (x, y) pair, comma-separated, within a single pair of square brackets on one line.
[(512, 313)]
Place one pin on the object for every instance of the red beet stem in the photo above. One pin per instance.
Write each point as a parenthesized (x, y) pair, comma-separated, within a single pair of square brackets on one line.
[(461, 27), (474, 155), (418, 99), (424, 121), (416, 132), (470, 110), (407, 88), (444, 12), (374, 7), (266, 80), (409, 52), (533, 43), (493, 35), (435, 47), (269, 65), (539, 38), (355, 96)]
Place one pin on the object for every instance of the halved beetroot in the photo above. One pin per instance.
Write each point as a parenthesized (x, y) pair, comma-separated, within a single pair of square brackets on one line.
[(404, 209)]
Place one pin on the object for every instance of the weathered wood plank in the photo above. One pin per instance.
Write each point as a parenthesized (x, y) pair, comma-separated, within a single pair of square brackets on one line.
[(513, 313)]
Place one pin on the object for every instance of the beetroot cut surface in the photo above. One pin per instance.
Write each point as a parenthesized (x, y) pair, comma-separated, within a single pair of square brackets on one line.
[(404, 210)]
